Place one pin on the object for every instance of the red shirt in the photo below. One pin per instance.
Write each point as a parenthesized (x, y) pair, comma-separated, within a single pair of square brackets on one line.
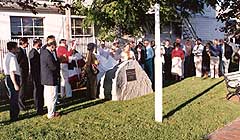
[(178, 53), (63, 52)]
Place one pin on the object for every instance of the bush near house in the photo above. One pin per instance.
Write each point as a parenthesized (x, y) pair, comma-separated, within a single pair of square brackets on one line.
[(2, 76), (3, 91)]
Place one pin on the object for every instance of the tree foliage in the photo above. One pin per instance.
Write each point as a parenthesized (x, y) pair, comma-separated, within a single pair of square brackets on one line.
[(230, 14), (134, 16), (34, 5), (119, 17)]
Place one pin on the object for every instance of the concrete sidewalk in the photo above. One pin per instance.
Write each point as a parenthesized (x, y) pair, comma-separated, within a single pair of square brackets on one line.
[(228, 132)]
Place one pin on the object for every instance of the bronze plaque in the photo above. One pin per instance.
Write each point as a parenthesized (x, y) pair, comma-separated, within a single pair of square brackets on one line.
[(131, 75)]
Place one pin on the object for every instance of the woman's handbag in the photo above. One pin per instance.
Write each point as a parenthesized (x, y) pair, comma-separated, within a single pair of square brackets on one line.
[(235, 57), (94, 69)]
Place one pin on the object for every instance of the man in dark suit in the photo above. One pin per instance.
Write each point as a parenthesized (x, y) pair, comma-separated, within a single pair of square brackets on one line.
[(49, 76), (49, 39), (24, 70), (34, 57)]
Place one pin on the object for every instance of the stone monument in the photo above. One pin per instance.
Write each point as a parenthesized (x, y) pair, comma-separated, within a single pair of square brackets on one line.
[(125, 81)]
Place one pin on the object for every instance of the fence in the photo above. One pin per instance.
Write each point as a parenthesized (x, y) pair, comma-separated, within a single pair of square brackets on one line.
[(81, 47)]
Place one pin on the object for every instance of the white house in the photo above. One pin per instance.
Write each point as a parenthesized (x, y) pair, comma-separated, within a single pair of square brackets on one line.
[(16, 23), (204, 26)]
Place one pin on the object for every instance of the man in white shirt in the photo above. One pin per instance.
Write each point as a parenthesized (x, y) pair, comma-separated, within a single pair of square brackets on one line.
[(106, 61), (12, 80), (197, 51)]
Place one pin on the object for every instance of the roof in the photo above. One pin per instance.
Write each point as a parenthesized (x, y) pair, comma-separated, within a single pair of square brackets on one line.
[(36, 5)]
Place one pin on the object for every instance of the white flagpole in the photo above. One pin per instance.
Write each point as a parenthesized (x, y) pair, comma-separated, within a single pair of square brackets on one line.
[(158, 68)]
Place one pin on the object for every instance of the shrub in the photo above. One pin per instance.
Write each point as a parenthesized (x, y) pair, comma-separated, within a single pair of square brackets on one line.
[(2, 76)]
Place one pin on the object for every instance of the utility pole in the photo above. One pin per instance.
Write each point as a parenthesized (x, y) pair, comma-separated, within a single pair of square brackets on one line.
[(68, 22), (158, 67)]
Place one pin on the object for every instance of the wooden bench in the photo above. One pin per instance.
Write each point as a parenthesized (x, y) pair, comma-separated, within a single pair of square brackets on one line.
[(232, 81)]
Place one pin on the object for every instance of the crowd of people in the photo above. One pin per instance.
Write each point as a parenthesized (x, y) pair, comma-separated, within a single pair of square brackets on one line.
[(180, 59), (55, 68), (202, 60), (48, 66)]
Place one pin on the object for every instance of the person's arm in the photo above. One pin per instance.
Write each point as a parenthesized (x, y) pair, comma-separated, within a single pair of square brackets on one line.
[(59, 51), (19, 56), (184, 49), (133, 56), (182, 55), (70, 52), (32, 58), (13, 78), (12, 68), (152, 53), (96, 62), (200, 49), (194, 51), (163, 50), (173, 54)]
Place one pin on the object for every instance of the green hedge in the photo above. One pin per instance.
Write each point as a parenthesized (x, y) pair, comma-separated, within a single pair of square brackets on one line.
[(2, 76)]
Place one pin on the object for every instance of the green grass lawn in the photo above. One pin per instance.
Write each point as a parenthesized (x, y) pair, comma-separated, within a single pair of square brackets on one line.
[(193, 108)]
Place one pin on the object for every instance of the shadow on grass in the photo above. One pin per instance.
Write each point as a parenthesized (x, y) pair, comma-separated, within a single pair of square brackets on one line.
[(172, 112), (5, 106), (21, 117), (77, 99), (167, 83), (82, 106)]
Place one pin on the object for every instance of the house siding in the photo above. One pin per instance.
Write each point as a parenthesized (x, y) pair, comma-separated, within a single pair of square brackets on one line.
[(206, 25), (53, 24)]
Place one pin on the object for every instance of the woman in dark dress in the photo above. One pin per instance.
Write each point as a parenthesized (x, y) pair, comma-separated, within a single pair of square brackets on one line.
[(206, 60), (168, 60)]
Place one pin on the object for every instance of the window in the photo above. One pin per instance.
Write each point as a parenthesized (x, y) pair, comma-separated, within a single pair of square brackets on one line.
[(78, 30), (31, 27)]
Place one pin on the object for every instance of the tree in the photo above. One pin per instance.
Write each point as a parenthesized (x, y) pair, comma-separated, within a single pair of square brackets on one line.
[(119, 17), (34, 5), (230, 14)]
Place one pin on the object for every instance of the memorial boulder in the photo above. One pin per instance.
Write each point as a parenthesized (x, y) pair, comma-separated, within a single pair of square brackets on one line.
[(125, 81)]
